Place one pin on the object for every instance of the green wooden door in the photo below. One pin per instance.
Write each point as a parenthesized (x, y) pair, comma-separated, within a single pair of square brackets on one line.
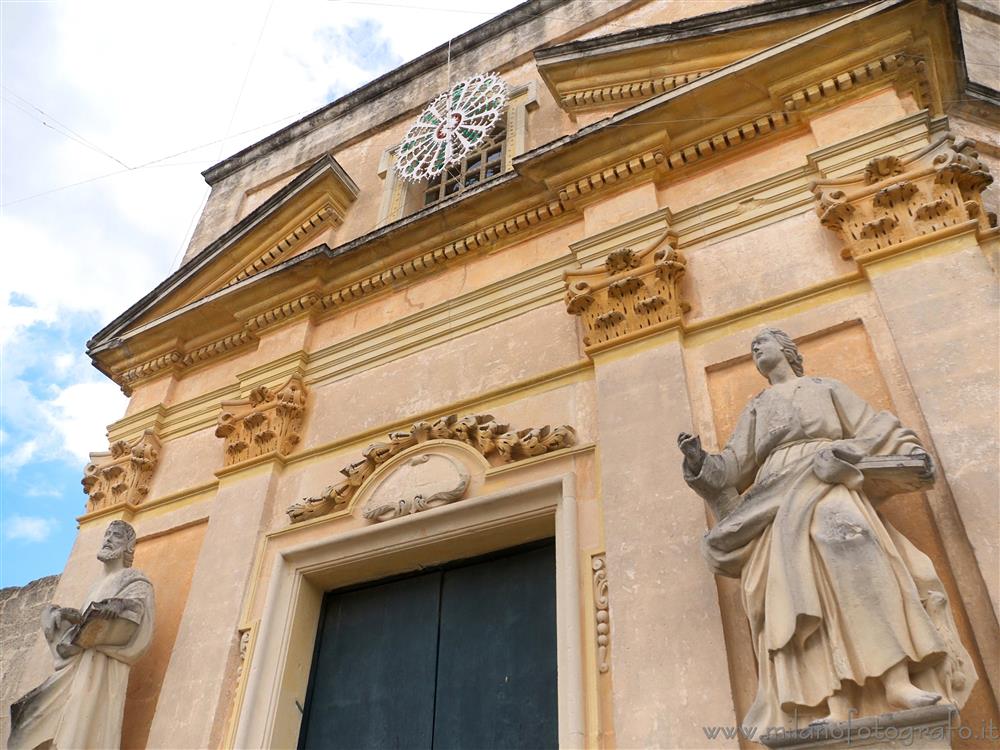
[(460, 657)]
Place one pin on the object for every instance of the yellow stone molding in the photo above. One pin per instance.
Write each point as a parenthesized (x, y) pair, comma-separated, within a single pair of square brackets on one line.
[(905, 69), (740, 210), (265, 424), (667, 134), (627, 91), (714, 144), (520, 465), (412, 268), (644, 163), (633, 292), (177, 360), (600, 72), (897, 200), (121, 475), (154, 506), (280, 250), (942, 242), (780, 306), (495, 441)]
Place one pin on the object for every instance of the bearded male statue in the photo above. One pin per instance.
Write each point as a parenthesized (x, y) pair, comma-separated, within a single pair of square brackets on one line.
[(81, 706), (847, 617)]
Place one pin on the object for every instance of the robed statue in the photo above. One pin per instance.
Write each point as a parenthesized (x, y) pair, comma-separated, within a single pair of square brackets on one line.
[(81, 706), (847, 617)]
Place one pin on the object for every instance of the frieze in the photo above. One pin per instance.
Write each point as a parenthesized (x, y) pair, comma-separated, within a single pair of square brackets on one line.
[(496, 441)]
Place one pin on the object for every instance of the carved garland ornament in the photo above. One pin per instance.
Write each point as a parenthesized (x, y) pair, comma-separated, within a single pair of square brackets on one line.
[(901, 199), (598, 565), (122, 474), (634, 291), (267, 421), (492, 439)]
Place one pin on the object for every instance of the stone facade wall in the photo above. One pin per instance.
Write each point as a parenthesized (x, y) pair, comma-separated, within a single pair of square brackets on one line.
[(20, 610)]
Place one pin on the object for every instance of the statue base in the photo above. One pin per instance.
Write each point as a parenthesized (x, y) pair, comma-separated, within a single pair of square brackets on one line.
[(927, 728)]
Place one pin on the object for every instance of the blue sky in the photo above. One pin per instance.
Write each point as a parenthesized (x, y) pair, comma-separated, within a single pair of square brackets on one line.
[(109, 112)]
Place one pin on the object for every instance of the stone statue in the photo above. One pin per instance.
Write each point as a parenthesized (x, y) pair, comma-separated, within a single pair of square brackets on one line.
[(82, 704), (846, 615)]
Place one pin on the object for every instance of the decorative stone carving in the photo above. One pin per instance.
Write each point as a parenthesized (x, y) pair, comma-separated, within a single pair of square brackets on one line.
[(847, 617), (268, 421), (634, 291), (93, 647), (245, 635), (598, 565), (122, 474), (495, 441), (424, 481), (897, 200)]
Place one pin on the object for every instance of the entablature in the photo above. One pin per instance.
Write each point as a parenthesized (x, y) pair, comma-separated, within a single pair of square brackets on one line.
[(201, 313)]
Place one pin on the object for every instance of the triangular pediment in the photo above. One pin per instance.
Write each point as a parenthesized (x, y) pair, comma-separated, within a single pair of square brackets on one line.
[(302, 214), (612, 72)]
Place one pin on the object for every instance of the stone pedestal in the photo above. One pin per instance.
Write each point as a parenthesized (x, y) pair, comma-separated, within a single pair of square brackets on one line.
[(928, 728)]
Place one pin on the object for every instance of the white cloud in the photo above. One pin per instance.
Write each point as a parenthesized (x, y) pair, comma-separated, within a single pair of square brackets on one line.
[(140, 82), (80, 414), (28, 528), (22, 454)]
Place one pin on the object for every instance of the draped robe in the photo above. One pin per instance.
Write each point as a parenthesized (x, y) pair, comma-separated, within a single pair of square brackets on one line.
[(82, 704), (834, 594)]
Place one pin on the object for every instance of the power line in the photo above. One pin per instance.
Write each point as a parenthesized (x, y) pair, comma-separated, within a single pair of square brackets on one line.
[(157, 163), (21, 103)]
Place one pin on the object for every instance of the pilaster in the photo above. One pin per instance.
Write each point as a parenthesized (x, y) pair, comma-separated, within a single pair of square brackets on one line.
[(668, 659), (207, 644)]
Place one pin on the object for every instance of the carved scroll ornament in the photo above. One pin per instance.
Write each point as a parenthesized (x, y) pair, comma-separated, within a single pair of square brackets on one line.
[(898, 199), (598, 565), (268, 421), (632, 292), (492, 439), (122, 474), (423, 482)]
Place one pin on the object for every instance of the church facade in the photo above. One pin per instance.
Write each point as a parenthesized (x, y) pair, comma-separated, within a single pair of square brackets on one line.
[(406, 416)]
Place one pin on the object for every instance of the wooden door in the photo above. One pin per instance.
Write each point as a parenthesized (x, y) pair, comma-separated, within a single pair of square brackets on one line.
[(459, 657)]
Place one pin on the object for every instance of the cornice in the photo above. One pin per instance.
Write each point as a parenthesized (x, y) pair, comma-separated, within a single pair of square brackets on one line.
[(696, 27), (549, 185), (641, 63), (345, 191)]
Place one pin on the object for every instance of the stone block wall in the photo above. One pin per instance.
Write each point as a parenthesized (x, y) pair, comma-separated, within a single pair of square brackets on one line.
[(20, 613)]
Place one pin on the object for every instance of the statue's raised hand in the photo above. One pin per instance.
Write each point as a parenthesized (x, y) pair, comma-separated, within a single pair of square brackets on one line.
[(694, 454)]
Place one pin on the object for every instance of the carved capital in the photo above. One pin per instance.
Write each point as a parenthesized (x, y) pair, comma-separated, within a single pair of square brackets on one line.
[(268, 421), (897, 200), (122, 474), (499, 443), (635, 290)]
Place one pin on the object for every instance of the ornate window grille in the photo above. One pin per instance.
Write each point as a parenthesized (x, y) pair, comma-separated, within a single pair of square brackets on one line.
[(474, 169)]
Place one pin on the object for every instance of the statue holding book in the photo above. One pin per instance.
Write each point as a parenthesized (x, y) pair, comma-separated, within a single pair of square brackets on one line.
[(82, 704), (846, 615)]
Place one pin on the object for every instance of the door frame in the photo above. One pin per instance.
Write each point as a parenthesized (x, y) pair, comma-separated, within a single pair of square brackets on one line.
[(278, 670)]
